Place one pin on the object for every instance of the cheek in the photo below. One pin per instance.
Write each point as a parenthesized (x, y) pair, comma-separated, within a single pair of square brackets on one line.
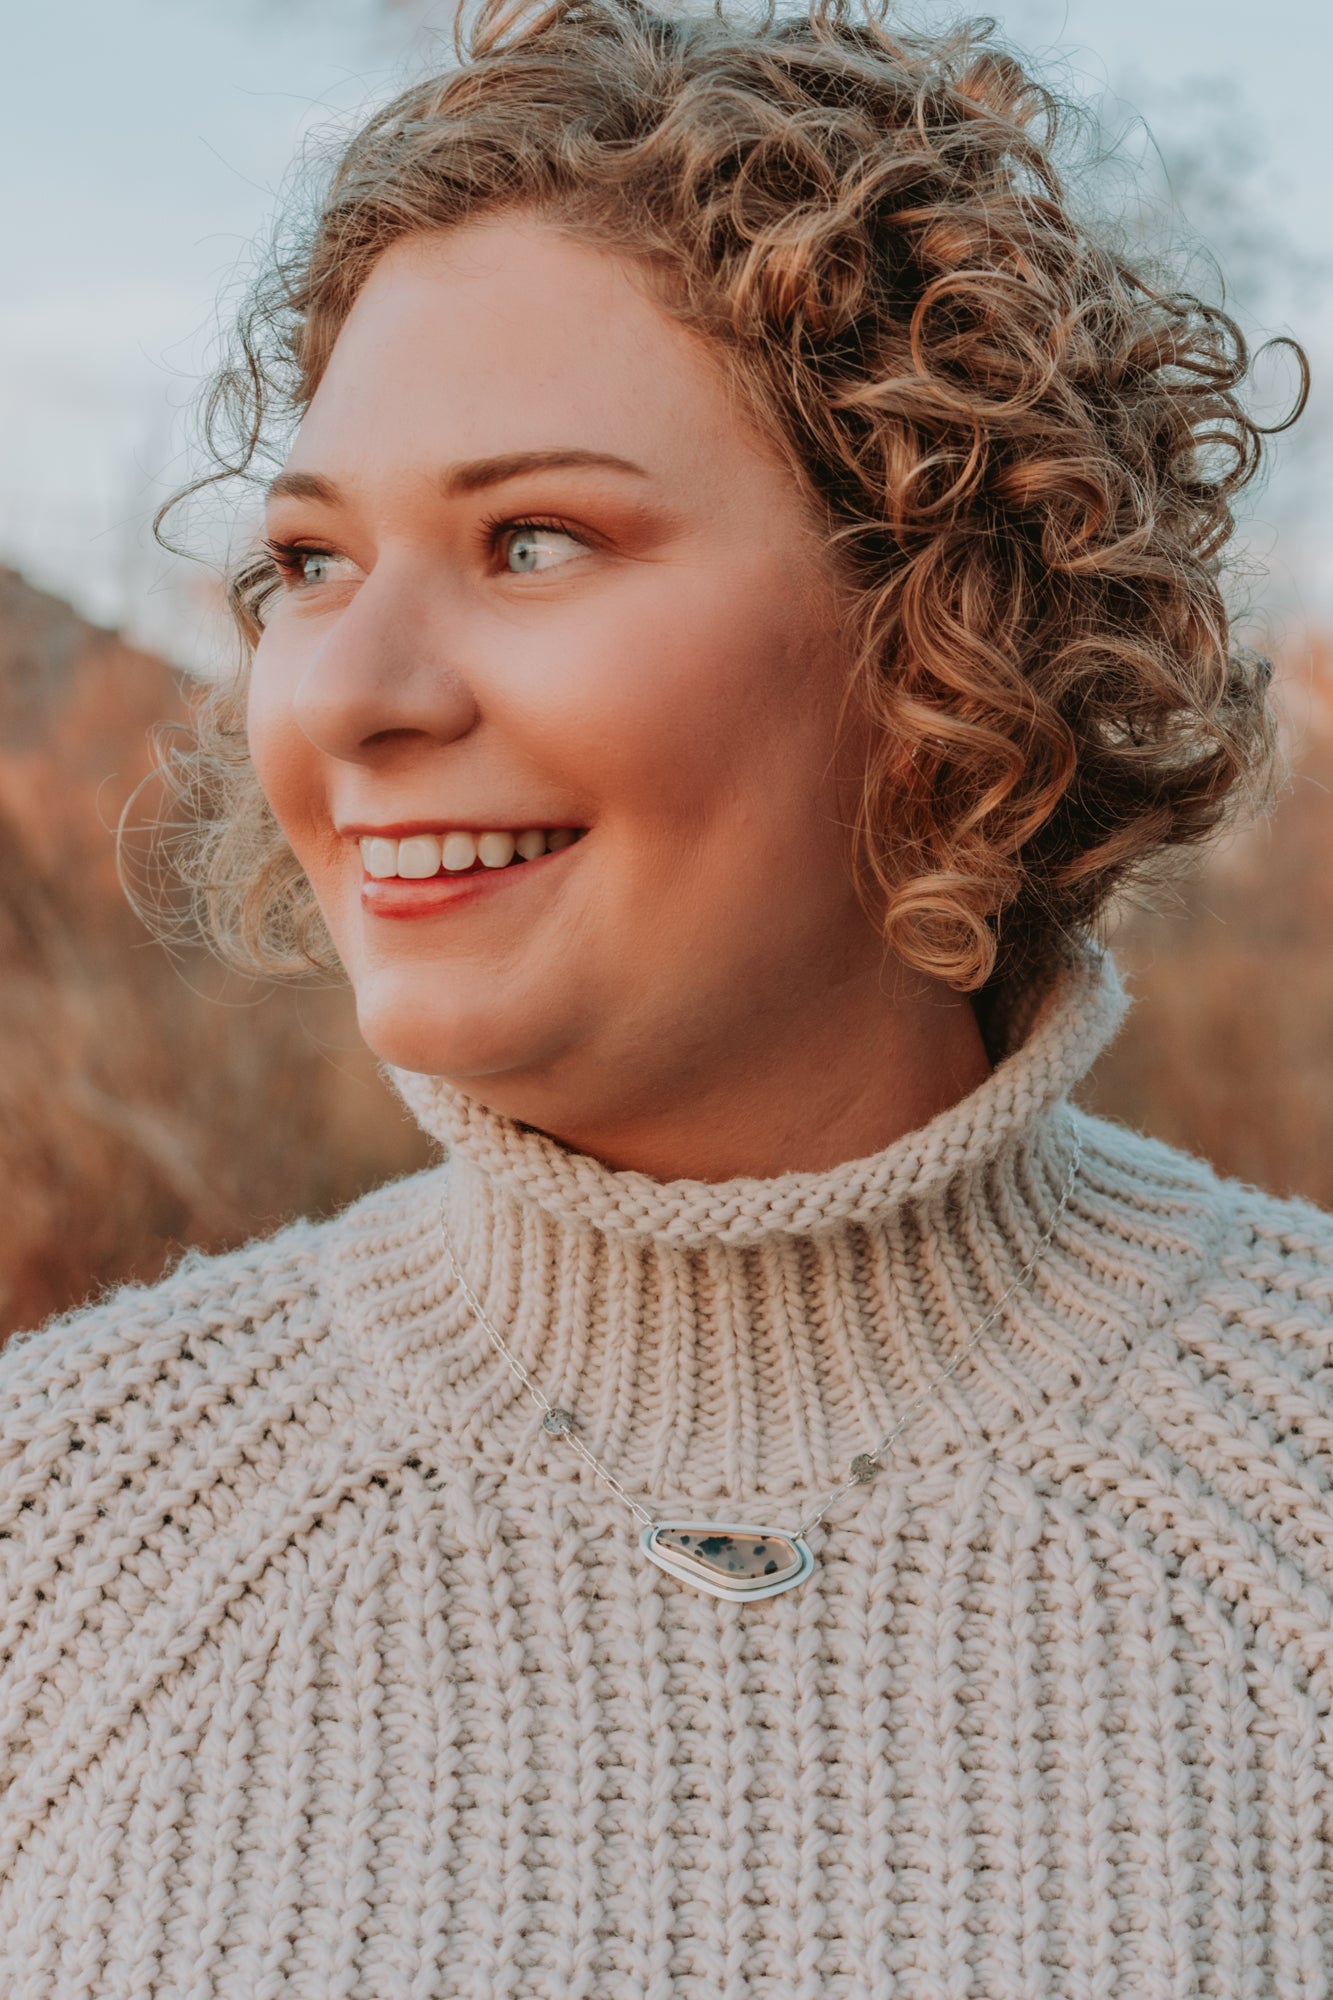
[(280, 751), (707, 697)]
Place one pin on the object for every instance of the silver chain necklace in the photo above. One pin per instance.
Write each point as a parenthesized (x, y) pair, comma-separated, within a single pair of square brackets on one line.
[(734, 1559)]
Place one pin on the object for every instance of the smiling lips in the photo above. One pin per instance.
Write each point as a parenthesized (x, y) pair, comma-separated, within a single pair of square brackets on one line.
[(423, 873), (419, 856)]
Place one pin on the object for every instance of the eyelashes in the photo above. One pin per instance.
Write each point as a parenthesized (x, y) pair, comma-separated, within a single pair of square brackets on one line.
[(493, 525), (289, 558)]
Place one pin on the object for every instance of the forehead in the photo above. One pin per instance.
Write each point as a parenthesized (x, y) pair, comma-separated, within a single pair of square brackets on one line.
[(507, 333)]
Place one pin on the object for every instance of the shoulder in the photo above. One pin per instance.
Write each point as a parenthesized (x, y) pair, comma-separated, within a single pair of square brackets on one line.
[(160, 1449), (228, 1297), (1252, 1252), (103, 1408), (1279, 1251), (151, 1374), (224, 1298), (1204, 1472), (1251, 1365), (1244, 1341)]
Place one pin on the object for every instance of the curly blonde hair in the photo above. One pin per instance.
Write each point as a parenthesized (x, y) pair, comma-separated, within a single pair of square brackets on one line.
[(1025, 451)]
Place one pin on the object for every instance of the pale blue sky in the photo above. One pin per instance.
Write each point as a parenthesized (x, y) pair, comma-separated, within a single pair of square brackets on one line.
[(142, 142)]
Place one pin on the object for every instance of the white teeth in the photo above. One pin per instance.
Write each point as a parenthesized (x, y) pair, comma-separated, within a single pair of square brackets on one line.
[(496, 850), (460, 851), (380, 858), (419, 856)]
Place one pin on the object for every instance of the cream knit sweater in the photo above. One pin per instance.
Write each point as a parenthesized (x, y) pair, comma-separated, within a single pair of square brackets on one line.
[(325, 1672)]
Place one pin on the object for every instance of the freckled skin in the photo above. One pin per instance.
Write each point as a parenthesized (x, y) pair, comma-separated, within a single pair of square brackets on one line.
[(693, 989)]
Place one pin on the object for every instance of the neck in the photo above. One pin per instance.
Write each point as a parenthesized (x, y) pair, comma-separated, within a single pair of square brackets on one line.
[(835, 1089), (746, 1337)]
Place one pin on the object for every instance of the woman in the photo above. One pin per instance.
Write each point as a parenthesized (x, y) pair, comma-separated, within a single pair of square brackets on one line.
[(791, 1506)]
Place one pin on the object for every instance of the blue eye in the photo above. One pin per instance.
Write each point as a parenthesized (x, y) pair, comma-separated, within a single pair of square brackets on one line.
[(527, 550), (315, 566), (303, 567)]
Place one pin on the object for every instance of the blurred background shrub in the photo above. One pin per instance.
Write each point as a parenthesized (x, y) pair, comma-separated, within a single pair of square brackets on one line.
[(1228, 1050), (147, 1102)]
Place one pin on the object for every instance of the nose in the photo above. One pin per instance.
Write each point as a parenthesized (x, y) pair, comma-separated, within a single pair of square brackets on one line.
[(381, 678)]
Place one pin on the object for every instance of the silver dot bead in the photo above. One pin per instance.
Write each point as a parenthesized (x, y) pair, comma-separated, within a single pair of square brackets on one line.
[(557, 1422), (864, 1466)]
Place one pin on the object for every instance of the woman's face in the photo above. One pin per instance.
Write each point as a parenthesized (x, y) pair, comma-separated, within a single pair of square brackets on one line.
[(544, 575)]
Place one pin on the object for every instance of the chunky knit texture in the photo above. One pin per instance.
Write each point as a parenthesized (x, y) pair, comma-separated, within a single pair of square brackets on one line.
[(327, 1673)]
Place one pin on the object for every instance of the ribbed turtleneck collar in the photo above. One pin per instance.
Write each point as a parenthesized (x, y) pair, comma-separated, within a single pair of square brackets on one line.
[(744, 1338)]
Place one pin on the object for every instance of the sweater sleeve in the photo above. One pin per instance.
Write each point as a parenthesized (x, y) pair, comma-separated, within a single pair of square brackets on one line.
[(147, 1442), (1212, 1460)]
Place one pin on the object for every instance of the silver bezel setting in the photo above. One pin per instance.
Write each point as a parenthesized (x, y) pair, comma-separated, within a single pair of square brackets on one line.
[(719, 1587)]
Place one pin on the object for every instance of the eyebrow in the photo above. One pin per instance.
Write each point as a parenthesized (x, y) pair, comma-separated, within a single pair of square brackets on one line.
[(471, 475)]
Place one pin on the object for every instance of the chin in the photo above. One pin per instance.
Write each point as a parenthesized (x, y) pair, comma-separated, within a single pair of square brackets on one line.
[(415, 1027), (400, 1036)]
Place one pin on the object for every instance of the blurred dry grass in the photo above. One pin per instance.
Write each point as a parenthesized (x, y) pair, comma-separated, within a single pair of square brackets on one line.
[(138, 1115), (1228, 1051)]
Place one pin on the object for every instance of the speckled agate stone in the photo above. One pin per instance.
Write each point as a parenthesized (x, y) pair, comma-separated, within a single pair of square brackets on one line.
[(730, 1560)]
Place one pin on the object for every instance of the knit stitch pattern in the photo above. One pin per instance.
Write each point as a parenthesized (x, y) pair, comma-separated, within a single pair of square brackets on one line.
[(326, 1674)]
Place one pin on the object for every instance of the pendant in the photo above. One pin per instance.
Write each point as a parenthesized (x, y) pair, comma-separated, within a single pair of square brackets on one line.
[(727, 1558)]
